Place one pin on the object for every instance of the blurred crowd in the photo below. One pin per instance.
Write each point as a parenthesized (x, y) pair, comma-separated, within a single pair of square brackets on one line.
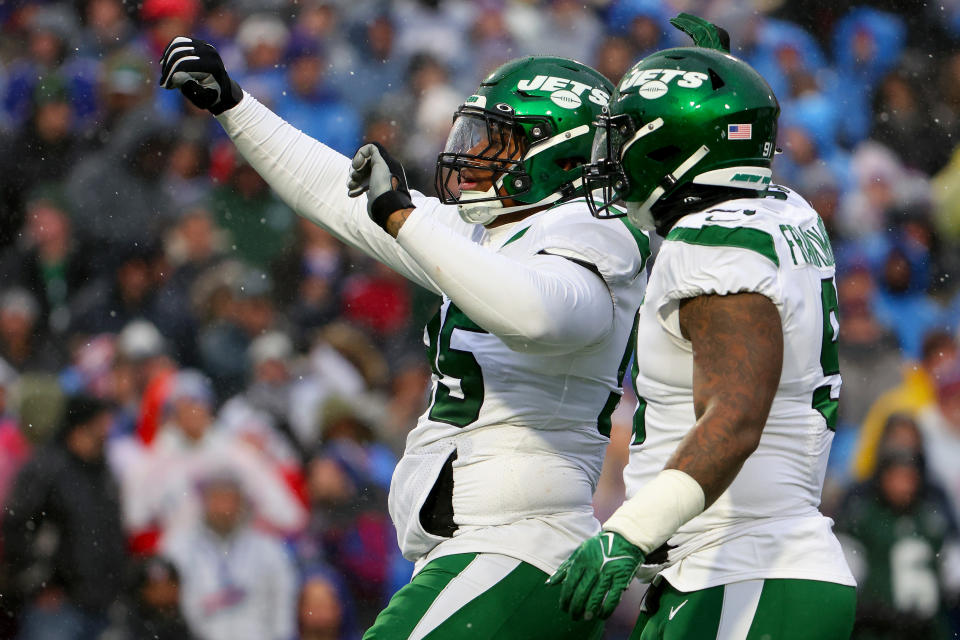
[(202, 396)]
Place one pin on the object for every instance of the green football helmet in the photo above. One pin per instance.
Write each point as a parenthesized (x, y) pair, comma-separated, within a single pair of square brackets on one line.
[(683, 116), (527, 131)]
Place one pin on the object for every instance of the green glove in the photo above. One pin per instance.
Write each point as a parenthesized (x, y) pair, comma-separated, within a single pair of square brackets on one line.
[(596, 575)]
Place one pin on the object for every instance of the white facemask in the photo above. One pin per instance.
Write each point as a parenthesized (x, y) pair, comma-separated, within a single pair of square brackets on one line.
[(486, 212), (479, 212)]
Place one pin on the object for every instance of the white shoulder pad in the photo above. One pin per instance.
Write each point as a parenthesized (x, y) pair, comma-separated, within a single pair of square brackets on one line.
[(726, 249), (618, 249)]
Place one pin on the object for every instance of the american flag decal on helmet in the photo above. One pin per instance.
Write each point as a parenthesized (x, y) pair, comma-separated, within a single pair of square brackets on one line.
[(739, 131)]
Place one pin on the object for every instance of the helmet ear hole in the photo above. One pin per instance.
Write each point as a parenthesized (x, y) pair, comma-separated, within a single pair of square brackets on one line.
[(663, 153), (570, 162)]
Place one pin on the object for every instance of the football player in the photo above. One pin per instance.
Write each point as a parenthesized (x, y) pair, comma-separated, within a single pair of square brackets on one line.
[(539, 299), (739, 381)]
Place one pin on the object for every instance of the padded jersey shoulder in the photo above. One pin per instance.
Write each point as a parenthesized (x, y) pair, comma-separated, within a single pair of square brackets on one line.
[(618, 249), (770, 226)]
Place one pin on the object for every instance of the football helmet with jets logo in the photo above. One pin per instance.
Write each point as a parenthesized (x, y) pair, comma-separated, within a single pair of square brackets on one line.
[(523, 137), (681, 117)]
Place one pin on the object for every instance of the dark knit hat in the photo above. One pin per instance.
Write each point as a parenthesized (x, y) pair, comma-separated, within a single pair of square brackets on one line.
[(81, 410)]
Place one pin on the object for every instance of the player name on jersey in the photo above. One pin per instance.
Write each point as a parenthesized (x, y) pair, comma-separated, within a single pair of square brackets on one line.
[(808, 245)]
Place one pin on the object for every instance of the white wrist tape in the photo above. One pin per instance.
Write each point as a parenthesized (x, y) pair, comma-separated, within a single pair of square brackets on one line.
[(658, 509)]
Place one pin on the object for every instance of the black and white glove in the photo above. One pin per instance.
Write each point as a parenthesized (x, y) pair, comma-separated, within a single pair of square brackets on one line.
[(375, 172), (195, 67)]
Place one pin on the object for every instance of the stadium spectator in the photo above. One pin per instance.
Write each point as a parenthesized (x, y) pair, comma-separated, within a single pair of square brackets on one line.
[(247, 311), (237, 583), (866, 45), (378, 300), (564, 28), (785, 53), (49, 42), (323, 612), (24, 343), (43, 151), (900, 537), (334, 366), (825, 190), (916, 391), (258, 224), (902, 301), (152, 606), (325, 21), (869, 356), (807, 134), (421, 107), (123, 294), (160, 495), (903, 123), (644, 26), (260, 415), (63, 541), (309, 278), (186, 181), (263, 38), (614, 57), (140, 371), (379, 68), (14, 448), (127, 206), (47, 260), (123, 96), (434, 30), (108, 28), (349, 526), (940, 424), (491, 42), (311, 104)]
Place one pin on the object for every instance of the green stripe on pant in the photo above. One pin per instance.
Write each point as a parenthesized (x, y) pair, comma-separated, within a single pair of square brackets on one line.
[(774, 609), (478, 596)]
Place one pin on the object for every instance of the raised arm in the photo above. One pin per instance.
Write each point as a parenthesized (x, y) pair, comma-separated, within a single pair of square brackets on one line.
[(309, 176)]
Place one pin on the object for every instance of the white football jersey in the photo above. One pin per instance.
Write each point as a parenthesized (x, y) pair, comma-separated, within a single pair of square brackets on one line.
[(530, 429), (767, 523), (528, 420)]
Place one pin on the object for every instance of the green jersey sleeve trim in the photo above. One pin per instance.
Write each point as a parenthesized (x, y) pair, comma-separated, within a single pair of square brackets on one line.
[(605, 420), (717, 236), (642, 240)]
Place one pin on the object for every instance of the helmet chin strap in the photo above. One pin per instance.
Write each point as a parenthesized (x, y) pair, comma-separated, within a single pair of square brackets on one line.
[(639, 212), (486, 212)]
